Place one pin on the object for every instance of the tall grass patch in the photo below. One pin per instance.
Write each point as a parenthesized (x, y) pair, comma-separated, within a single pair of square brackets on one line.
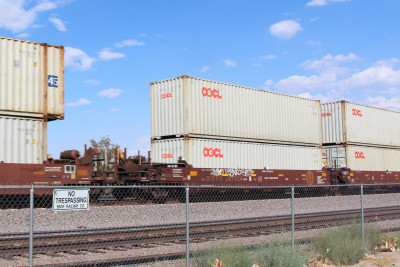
[(344, 246)]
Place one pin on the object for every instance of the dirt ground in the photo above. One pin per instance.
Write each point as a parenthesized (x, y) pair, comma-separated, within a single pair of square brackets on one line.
[(381, 259)]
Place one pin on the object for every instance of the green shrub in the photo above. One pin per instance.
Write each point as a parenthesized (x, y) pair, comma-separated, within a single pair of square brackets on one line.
[(277, 253), (343, 245)]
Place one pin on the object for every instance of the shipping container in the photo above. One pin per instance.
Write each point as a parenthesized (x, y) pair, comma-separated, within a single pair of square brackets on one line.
[(210, 153), (31, 79), (362, 158), (22, 140), (348, 123), (187, 106)]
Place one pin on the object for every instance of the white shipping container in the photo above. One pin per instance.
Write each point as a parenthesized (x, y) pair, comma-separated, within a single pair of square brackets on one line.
[(22, 140), (344, 122), (209, 153), (202, 108), (363, 158), (31, 79)]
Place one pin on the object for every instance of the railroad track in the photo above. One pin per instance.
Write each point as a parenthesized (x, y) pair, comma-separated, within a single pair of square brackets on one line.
[(74, 242)]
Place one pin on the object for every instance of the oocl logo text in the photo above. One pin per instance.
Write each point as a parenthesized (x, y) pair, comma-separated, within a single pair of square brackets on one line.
[(167, 156), (360, 155), (209, 152), (166, 95), (208, 92), (326, 114), (357, 112)]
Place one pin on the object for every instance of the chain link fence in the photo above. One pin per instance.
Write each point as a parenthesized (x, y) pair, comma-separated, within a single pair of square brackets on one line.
[(176, 225)]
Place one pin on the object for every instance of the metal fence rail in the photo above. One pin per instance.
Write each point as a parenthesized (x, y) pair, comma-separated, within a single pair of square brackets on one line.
[(114, 225)]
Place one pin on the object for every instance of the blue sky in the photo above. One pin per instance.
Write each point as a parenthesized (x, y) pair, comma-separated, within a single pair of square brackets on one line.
[(322, 49)]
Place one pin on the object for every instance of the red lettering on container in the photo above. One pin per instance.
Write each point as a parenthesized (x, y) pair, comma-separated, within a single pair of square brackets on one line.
[(324, 154), (326, 114), (167, 156), (357, 112), (166, 95), (208, 92), (212, 152), (359, 155)]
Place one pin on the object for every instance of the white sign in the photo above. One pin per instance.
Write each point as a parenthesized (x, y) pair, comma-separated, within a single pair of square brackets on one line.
[(70, 199)]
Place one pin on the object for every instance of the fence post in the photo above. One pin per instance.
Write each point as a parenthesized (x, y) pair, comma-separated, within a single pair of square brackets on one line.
[(187, 226), (292, 219), (362, 213), (31, 208)]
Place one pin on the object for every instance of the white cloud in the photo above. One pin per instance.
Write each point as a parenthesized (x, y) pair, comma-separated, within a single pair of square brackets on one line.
[(389, 63), (380, 83), (314, 19), (329, 63), (92, 82), (269, 57), (76, 58), (59, 24), (268, 83), (297, 84), (205, 69), (129, 43), (15, 17), (382, 102), (23, 35), (110, 93), (374, 77), (106, 54), (314, 43), (285, 29), (323, 2), (80, 102), (114, 109), (229, 63)]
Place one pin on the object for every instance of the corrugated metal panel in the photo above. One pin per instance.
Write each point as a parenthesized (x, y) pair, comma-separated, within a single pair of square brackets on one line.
[(22, 140), (203, 108), (208, 153), (363, 158), (31, 78), (344, 122)]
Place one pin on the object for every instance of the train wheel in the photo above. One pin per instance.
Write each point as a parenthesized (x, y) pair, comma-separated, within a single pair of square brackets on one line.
[(121, 193), (159, 195), (141, 195), (95, 193)]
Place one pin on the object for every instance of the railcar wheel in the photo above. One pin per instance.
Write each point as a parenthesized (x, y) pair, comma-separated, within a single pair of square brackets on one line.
[(141, 195), (159, 196), (121, 193)]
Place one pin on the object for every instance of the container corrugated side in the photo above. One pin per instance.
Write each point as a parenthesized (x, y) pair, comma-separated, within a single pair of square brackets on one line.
[(363, 158), (209, 153), (345, 122), (31, 79), (202, 108), (22, 140)]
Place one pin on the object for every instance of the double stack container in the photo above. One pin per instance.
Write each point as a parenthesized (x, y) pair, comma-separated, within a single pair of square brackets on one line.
[(31, 94), (191, 114), (360, 137)]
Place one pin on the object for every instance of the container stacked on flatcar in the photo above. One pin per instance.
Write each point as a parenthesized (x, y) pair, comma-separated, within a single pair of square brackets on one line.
[(31, 94), (217, 125), (360, 137)]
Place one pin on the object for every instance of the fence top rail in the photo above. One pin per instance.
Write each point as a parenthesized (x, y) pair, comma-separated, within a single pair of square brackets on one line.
[(192, 186)]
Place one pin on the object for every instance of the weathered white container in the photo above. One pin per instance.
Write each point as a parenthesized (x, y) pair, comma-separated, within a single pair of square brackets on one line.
[(209, 153), (31, 79), (362, 158), (187, 106), (22, 140), (349, 123)]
